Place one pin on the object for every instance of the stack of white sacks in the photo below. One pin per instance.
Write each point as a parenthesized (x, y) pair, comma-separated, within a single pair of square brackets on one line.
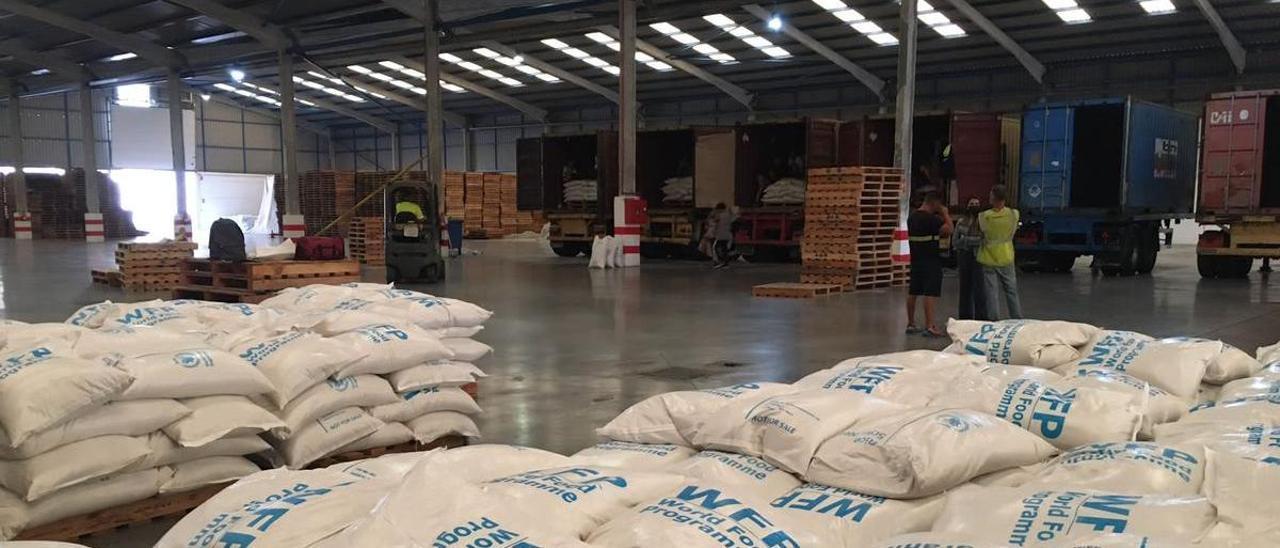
[(581, 190), (677, 190), (1025, 433), (126, 401), (784, 191)]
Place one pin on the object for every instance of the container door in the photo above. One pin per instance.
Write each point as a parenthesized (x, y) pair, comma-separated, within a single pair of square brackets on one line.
[(1046, 158), (607, 173), (1233, 140), (1160, 168), (554, 157), (714, 166), (975, 155), (852, 135), (529, 174), (878, 146), (820, 143), (1010, 154)]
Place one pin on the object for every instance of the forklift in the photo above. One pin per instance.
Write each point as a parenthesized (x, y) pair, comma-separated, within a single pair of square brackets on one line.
[(412, 229)]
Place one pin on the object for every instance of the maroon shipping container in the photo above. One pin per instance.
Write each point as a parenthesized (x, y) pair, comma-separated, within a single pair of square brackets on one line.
[(1241, 162)]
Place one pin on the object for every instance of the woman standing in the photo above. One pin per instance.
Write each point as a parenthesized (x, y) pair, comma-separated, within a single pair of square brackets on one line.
[(965, 243)]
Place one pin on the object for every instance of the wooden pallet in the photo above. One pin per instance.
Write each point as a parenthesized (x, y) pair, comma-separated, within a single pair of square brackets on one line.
[(132, 514), (787, 290), (106, 277), (261, 277), (447, 442), (219, 294)]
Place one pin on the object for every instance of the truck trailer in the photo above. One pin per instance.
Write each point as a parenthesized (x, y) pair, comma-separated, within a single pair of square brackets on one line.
[(544, 165), (1099, 177), (1239, 206)]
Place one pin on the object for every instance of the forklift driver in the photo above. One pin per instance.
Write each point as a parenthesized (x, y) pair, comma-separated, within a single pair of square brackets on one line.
[(405, 204)]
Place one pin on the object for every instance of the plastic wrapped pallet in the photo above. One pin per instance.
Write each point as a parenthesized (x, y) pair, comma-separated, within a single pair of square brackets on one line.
[(670, 417), (1045, 344)]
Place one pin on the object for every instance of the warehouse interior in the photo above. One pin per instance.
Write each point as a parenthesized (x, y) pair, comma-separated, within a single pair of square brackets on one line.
[(249, 248)]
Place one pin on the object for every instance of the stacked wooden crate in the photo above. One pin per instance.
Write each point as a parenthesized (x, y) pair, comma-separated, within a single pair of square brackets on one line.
[(473, 217), (455, 195), (507, 193), (256, 281), (829, 245), (366, 240), (529, 221), (152, 266), (879, 211), (492, 205)]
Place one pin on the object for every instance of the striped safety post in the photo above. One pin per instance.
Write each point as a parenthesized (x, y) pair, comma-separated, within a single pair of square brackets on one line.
[(94, 230), (21, 225), (629, 216), (901, 247), (182, 228), (293, 226)]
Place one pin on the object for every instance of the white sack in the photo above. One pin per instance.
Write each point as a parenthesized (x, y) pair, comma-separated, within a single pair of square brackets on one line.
[(1007, 373), (1263, 409), (444, 373), (487, 461), (92, 316), (1158, 406), (296, 361), (163, 451), (913, 386), (110, 346), (391, 466), (435, 312), (1038, 343), (278, 507), (739, 473), (832, 516), (1096, 540), (433, 426), (1131, 467), (921, 452), (155, 313), (387, 435), (467, 350), (697, 515), (599, 252), (207, 471), (419, 402), (787, 429), (70, 464), (627, 455), (216, 417), (673, 416), (1231, 364), (307, 299), (41, 386), (84, 498), (343, 316), (1010, 477), (387, 348), (1029, 517), (1175, 365), (325, 435), (915, 358), (1063, 417), (124, 418), (1243, 488), (16, 335), (191, 373), (332, 395), (237, 315), (1250, 387)]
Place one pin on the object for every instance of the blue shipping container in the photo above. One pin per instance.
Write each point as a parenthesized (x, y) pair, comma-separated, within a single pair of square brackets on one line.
[(1114, 156)]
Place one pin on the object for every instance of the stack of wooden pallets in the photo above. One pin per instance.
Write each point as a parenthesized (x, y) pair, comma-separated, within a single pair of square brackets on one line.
[(529, 221), (455, 192), (254, 282), (491, 205), (507, 194), (473, 211), (366, 240), (152, 266), (879, 212), (850, 215)]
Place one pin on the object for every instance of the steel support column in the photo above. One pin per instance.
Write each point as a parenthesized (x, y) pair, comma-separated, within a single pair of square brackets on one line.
[(289, 134), (18, 178), (435, 106), (89, 143), (904, 118), (627, 95), (181, 222)]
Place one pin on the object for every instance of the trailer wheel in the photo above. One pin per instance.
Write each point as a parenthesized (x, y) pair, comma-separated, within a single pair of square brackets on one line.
[(1148, 249), (1061, 261), (1207, 265), (1239, 267)]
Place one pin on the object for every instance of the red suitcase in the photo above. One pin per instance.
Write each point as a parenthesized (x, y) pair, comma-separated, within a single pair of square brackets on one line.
[(319, 248)]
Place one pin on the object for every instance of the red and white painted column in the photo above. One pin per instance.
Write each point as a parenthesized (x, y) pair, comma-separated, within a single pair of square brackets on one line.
[(21, 225), (182, 227), (94, 229), (630, 213), (901, 246), (293, 226)]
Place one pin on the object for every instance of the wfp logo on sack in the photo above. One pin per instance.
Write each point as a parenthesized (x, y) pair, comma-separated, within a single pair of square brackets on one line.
[(427, 302), (84, 314), (16, 363), (352, 304), (149, 315), (342, 385), (193, 359), (953, 422), (383, 333)]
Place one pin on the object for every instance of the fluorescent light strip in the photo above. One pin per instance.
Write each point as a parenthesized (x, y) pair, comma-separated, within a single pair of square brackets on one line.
[(331, 91), (641, 57), (743, 33), (418, 75), (1068, 11), (517, 63), (859, 22), (581, 56), (937, 21), (1158, 7), (40, 72), (687, 39), (120, 57), (217, 38), (454, 59)]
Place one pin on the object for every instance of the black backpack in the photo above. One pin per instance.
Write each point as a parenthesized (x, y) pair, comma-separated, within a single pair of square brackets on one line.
[(226, 241)]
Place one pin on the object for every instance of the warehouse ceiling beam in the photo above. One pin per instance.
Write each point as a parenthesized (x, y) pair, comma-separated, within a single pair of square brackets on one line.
[(412, 8), (1033, 65), (1228, 38), (450, 117), (738, 94), (873, 82), (554, 71), (262, 31), (382, 124), (275, 115), (537, 113), (53, 63), (151, 51)]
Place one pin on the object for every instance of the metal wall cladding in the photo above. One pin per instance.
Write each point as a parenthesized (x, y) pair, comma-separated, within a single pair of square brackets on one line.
[(1161, 161), (1047, 134), (1235, 132)]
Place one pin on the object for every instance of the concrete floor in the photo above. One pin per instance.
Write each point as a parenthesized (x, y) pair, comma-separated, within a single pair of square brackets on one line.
[(577, 346)]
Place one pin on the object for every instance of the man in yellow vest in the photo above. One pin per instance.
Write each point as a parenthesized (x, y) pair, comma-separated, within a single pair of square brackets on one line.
[(996, 255)]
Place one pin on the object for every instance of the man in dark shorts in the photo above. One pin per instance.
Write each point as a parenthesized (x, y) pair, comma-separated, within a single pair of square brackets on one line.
[(925, 227)]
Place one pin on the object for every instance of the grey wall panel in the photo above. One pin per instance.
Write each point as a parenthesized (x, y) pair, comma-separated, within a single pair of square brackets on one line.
[(262, 161), (454, 159), (506, 157), (45, 152), (261, 137), (225, 160), (222, 134)]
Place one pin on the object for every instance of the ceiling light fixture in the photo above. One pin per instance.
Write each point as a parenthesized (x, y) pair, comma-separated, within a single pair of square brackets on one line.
[(580, 55), (517, 63), (746, 35), (858, 21), (641, 57), (1068, 11), (471, 66), (687, 39)]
